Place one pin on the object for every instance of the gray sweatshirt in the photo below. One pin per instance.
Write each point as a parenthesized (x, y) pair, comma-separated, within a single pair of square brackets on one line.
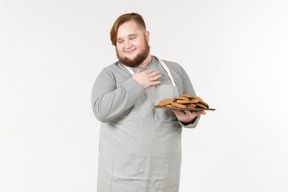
[(115, 91)]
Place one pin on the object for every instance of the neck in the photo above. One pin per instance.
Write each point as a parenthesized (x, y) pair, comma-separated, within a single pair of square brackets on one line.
[(146, 61)]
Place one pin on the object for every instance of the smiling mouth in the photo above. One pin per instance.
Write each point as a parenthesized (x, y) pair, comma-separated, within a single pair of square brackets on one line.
[(131, 51)]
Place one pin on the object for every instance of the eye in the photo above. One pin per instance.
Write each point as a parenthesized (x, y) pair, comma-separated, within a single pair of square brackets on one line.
[(132, 38), (120, 41)]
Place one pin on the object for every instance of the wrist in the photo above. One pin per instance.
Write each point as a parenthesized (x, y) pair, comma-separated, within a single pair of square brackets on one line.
[(188, 122)]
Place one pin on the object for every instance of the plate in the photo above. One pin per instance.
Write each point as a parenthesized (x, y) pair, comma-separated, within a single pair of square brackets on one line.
[(190, 109)]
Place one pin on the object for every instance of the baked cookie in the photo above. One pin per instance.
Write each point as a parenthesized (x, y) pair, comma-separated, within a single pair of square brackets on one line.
[(181, 98), (201, 106), (185, 101), (204, 103), (196, 100), (191, 105), (178, 105), (165, 102)]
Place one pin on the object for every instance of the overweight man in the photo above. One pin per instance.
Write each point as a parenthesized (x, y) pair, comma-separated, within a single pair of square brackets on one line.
[(140, 146)]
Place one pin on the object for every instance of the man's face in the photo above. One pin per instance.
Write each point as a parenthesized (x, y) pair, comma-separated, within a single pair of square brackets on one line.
[(132, 44)]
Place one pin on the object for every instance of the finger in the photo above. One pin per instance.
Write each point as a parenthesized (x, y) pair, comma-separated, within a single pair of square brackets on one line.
[(155, 77), (155, 82), (138, 71), (194, 113), (187, 112), (154, 73), (202, 112), (176, 112)]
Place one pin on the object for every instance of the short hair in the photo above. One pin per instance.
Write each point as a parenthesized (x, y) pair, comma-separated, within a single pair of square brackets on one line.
[(123, 19)]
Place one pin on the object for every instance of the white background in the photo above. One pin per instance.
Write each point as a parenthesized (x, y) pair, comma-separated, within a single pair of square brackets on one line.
[(235, 53)]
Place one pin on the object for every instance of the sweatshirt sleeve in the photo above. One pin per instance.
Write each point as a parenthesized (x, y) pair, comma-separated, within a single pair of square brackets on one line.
[(109, 101), (188, 89)]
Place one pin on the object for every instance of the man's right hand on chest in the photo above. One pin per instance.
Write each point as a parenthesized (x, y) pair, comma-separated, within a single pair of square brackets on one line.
[(146, 78)]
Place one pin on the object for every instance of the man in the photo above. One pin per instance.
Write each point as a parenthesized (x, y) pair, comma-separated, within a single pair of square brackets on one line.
[(140, 146)]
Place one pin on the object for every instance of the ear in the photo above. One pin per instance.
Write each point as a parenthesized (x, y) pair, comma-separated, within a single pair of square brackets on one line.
[(147, 35)]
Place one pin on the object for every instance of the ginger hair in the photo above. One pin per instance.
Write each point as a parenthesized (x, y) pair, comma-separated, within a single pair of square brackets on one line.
[(123, 19)]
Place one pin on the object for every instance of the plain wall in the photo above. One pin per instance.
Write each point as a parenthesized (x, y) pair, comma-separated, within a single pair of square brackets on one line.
[(235, 53)]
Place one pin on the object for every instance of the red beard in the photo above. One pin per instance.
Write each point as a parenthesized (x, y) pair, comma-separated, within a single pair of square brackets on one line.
[(137, 60)]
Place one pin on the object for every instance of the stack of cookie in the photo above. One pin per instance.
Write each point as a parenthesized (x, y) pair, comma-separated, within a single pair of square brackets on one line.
[(184, 101)]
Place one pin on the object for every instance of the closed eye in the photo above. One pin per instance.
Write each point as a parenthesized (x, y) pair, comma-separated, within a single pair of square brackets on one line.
[(132, 37)]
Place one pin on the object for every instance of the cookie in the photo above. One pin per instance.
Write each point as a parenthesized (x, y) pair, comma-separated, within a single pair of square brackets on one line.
[(181, 98), (185, 101), (191, 105), (204, 103), (165, 102), (178, 105), (201, 106), (196, 100)]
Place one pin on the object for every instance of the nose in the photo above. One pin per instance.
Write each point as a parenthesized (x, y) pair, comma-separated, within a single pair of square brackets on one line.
[(128, 44)]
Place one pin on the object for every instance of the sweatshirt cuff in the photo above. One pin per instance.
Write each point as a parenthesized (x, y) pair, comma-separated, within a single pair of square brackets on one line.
[(133, 87), (192, 124)]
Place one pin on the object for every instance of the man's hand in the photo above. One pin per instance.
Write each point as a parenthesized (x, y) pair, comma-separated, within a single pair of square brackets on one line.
[(147, 78), (187, 116)]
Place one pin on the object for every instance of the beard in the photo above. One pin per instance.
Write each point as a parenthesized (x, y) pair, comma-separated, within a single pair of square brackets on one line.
[(140, 57)]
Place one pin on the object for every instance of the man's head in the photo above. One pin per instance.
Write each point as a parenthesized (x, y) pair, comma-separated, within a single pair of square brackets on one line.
[(129, 36)]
